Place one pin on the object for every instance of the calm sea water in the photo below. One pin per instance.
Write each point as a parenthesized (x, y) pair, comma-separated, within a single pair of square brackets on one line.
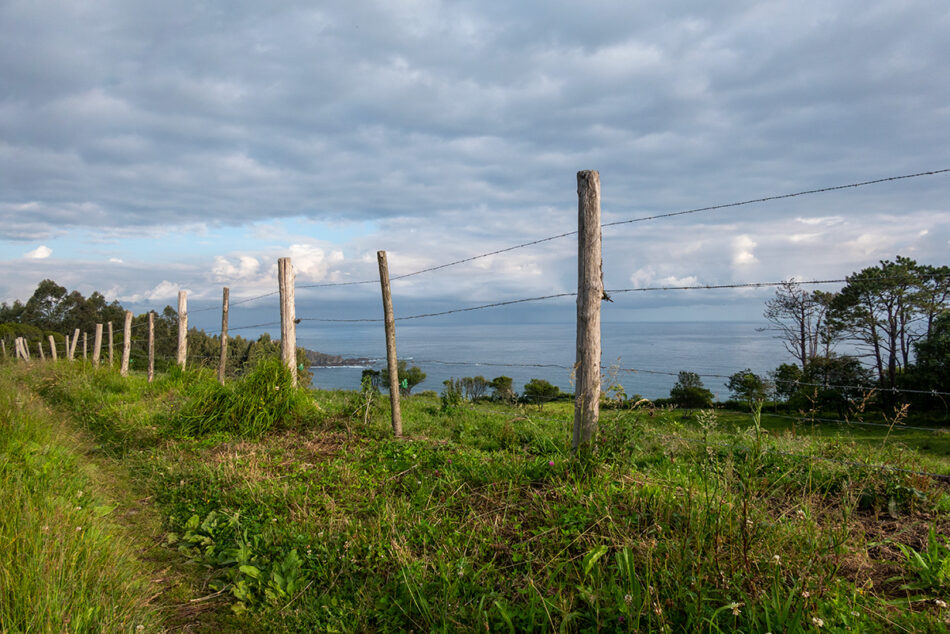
[(470, 350)]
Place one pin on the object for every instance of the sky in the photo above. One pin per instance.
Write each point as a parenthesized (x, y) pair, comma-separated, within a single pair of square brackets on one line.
[(150, 147)]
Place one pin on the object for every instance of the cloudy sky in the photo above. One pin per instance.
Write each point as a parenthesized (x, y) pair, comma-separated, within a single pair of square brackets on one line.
[(152, 146)]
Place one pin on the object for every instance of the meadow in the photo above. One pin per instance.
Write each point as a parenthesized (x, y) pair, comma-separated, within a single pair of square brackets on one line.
[(182, 505)]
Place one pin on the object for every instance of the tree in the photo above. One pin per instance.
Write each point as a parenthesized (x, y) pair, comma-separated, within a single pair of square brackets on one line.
[(46, 309), (474, 386), (932, 368), (832, 382), (747, 386), (885, 309), (801, 320), (374, 377), (539, 391), (689, 392), (409, 377), (502, 388), (786, 378)]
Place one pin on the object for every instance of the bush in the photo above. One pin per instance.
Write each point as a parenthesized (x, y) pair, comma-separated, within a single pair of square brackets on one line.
[(689, 392)]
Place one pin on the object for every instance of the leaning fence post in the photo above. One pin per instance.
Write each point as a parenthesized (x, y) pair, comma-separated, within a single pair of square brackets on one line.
[(151, 345), (590, 293), (126, 343), (52, 347), (223, 363), (72, 347), (182, 328), (288, 328), (391, 362), (39, 344), (110, 344), (97, 346)]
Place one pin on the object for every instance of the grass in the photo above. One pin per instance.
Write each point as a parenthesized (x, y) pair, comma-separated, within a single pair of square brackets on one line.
[(316, 519)]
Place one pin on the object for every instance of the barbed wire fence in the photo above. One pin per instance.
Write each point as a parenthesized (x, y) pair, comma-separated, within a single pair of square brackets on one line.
[(21, 346)]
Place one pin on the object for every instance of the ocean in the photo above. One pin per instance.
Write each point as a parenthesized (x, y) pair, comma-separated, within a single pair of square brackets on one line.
[(656, 350)]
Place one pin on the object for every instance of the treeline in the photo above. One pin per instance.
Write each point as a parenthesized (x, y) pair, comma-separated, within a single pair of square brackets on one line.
[(53, 310)]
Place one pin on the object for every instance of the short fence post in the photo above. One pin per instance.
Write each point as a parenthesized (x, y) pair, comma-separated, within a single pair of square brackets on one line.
[(52, 347), (110, 344), (72, 347), (391, 361), (126, 344), (97, 346), (288, 328), (18, 346), (39, 344), (182, 328), (223, 362), (590, 293), (3, 344), (151, 345)]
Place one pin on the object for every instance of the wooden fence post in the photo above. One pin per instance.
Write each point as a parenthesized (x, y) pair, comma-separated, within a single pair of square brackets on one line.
[(590, 293), (223, 363), (182, 328), (52, 347), (72, 347), (85, 346), (110, 344), (391, 361), (288, 327), (97, 346), (17, 349), (3, 344), (39, 344), (126, 344), (151, 345)]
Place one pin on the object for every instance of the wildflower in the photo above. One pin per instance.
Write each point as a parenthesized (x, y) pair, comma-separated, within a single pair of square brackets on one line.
[(817, 622), (800, 513), (79, 528), (550, 463), (627, 599), (620, 620), (449, 461), (855, 613), (806, 594), (777, 559), (78, 494), (139, 628), (437, 473), (940, 604), (735, 608)]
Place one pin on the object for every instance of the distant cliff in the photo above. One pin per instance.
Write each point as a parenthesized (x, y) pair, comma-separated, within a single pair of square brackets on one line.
[(330, 360)]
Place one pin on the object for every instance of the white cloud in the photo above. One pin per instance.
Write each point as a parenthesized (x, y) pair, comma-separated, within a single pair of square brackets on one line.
[(742, 251), (116, 260), (39, 253), (163, 290), (312, 263)]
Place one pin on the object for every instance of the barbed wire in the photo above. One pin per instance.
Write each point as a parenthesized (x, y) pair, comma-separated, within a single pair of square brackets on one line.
[(641, 219)]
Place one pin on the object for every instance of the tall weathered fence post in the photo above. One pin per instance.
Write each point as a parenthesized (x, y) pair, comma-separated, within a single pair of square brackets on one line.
[(39, 344), (85, 345), (126, 344), (3, 344), (590, 293), (288, 316), (391, 361), (72, 346), (182, 328), (52, 347), (110, 344), (223, 363), (97, 346), (151, 345)]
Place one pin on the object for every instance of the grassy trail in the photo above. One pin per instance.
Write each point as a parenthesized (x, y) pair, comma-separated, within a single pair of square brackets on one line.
[(287, 510)]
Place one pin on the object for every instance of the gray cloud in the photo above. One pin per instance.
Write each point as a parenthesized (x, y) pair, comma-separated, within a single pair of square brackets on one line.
[(457, 128)]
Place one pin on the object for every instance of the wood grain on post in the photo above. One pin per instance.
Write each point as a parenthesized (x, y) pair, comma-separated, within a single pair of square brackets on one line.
[(288, 327), (391, 361), (223, 362), (52, 347), (151, 345), (182, 328), (590, 293), (97, 346), (110, 344), (72, 347), (126, 344)]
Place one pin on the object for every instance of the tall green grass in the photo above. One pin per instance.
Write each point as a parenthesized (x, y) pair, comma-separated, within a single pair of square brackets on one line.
[(63, 567)]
